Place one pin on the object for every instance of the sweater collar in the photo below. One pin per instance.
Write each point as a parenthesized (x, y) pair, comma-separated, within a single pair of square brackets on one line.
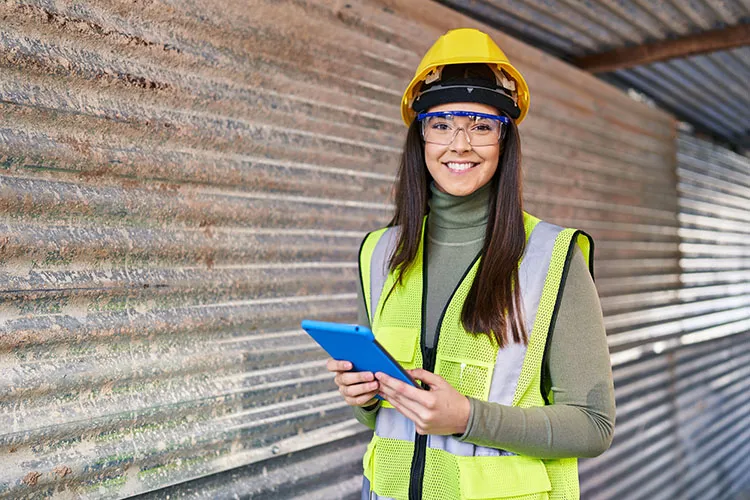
[(458, 218), (457, 212)]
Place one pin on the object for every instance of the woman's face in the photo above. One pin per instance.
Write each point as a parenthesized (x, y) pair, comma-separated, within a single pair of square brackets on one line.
[(460, 168)]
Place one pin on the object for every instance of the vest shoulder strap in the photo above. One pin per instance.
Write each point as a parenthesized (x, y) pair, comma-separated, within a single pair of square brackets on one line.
[(374, 255), (539, 341), (570, 239)]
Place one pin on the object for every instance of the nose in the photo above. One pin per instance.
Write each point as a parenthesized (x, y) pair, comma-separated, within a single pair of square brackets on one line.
[(461, 141)]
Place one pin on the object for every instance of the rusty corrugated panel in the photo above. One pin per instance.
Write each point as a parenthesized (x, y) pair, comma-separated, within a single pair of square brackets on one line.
[(572, 28), (183, 183), (180, 184), (331, 470)]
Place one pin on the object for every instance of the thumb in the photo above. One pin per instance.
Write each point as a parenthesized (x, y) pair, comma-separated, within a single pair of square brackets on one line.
[(427, 377)]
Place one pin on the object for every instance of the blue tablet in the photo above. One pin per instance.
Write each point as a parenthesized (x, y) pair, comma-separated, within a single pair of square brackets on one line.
[(357, 345)]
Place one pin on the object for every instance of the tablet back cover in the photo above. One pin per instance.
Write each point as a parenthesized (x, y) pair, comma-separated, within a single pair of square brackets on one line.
[(357, 345)]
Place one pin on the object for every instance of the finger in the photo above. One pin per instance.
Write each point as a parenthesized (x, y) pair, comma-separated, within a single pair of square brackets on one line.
[(404, 409), (334, 365), (387, 387), (426, 376), (362, 400), (390, 385), (388, 381), (351, 378), (338, 379), (359, 389), (396, 398), (409, 391)]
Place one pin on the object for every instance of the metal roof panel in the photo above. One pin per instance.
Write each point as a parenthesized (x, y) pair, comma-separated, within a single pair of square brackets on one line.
[(708, 90)]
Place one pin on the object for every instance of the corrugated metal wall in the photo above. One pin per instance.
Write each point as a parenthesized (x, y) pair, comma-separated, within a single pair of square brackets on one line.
[(683, 427), (712, 368), (182, 182)]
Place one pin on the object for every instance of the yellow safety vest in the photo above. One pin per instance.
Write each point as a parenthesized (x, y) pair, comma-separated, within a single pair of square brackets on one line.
[(400, 464)]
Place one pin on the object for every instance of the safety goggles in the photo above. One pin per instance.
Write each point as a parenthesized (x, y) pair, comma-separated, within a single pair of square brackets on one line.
[(481, 129)]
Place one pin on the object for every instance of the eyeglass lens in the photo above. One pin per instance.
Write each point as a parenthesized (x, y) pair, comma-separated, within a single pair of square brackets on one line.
[(444, 129)]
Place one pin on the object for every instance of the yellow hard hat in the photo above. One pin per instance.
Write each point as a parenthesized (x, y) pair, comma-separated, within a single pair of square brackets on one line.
[(463, 46)]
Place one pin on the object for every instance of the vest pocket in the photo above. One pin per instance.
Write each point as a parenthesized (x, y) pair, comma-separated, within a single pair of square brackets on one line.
[(471, 378), (517, 477), (401, 343)]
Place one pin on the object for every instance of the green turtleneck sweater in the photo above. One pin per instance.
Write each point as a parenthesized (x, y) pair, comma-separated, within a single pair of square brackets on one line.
[(581, 422)]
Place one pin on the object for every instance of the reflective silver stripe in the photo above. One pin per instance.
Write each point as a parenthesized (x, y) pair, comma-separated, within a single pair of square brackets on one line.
[(451, 445), (365, 493), (463, 449), (391, 424), (534, 266), (381, 254)]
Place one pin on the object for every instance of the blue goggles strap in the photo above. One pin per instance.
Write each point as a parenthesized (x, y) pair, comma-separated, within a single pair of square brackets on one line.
[(502, 119)]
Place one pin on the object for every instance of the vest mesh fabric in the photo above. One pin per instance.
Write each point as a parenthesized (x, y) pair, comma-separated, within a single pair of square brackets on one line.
[(368, 246), (529, 223), (563, 475), (389, 458), (441, 476), (527, 392), (481, 482), (456, 346), (467, 362)]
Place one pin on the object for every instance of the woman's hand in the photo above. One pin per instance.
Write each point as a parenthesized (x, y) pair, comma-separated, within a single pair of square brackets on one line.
[(358, 388), (442, 410)]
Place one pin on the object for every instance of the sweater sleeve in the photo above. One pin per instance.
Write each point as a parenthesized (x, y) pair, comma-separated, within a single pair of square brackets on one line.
[(364, 416), (580, 423)]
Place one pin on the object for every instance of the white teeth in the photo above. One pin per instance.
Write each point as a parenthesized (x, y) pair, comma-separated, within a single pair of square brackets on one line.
[(460, 166)]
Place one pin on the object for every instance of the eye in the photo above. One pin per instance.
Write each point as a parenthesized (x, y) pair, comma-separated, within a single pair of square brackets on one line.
[(440, 125), (482, 127)]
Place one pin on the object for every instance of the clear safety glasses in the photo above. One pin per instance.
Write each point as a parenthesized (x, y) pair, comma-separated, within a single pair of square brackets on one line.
[(441, 127)]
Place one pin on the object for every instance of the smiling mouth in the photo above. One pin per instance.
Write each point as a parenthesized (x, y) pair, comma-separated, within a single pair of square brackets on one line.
[(458, 167)]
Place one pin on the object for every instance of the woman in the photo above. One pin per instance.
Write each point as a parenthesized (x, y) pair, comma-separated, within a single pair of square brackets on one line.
[(494, 311)]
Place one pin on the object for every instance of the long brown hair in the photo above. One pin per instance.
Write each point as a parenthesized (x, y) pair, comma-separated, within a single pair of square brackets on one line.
[(493, 305)]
